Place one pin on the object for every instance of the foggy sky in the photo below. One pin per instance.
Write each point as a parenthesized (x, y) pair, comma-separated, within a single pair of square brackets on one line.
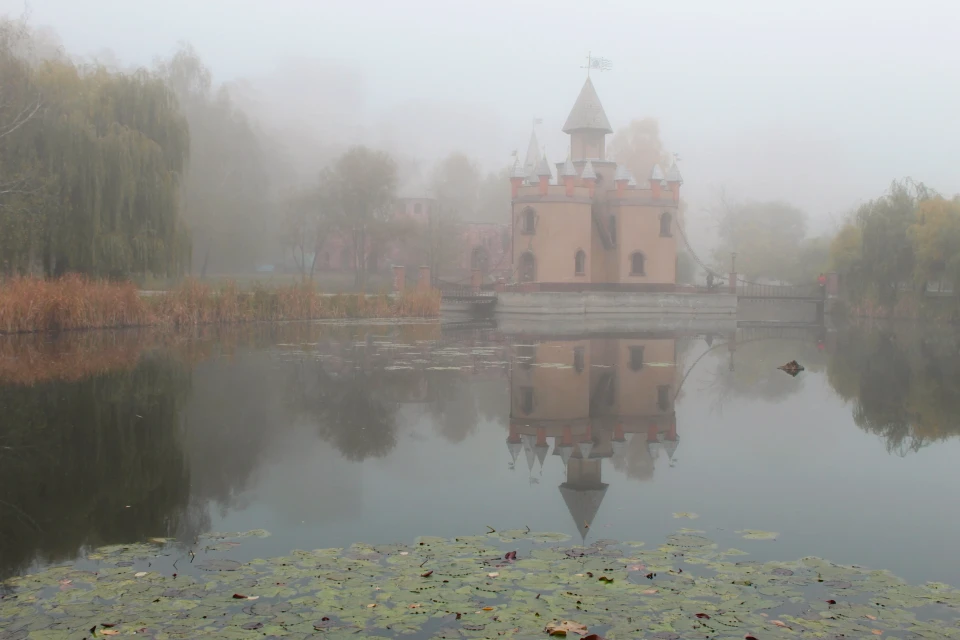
[(819, 103)]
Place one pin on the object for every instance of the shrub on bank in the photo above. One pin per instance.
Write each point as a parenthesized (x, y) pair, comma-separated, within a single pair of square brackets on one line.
[(76, 302)]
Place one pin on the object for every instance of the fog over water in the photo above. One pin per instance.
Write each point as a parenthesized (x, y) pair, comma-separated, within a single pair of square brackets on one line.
[(820, 104)]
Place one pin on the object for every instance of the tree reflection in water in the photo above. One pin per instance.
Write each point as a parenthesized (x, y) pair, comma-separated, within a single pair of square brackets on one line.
[(903, 383), (146, 439), (92, 462)]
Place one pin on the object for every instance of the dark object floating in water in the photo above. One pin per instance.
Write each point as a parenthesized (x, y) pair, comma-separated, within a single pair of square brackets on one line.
[(793, 368)]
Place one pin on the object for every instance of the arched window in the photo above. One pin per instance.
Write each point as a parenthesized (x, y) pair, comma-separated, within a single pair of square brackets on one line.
[(578, 359), (636, 264), (580, 263), (666, 221), (528, 268), (529, 220)]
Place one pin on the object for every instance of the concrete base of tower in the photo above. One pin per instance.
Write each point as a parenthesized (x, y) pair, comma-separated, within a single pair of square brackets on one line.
[(616, 303)]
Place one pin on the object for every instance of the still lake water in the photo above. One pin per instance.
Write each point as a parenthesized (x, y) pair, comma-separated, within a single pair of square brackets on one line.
[(329, 434)]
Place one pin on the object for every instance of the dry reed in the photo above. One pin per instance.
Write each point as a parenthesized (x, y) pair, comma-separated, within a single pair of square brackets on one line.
[(75, 302)]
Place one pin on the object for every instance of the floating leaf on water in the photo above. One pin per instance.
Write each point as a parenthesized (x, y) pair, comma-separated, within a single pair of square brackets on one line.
[(688, 540), (686, 514), (219, 564), (373, 587), (837, 584), (546, 536), (564, 627), (753, 534)]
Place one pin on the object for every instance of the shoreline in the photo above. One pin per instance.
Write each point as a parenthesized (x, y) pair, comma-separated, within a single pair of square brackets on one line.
[(34, 305)]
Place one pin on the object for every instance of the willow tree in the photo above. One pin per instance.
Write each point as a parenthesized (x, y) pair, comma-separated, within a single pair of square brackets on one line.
[(225, 189), (21, 206), (98, 168)]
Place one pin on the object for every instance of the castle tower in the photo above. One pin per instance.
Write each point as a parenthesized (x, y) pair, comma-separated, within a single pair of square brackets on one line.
[(588, 125), (597, 228)]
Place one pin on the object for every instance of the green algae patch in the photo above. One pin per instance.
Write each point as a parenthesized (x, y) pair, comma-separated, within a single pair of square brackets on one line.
[(471, 587)]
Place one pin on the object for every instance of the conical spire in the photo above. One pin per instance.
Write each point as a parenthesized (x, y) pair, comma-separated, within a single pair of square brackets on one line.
[(517, 170), (673, 174), (622, 173), (583, 504), (565, 451), (656, 173), (514, 449), (588, 172), (586, 448), (632, 182), (568, 168), (528, 441), (543, 169), (541, 451), (533, 156), (670, 446), (587, 112)]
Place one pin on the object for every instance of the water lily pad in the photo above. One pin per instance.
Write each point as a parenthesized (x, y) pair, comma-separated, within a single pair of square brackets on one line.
[(752, 534), (688, 541), (219, 564), (686, 514), (473, 587)]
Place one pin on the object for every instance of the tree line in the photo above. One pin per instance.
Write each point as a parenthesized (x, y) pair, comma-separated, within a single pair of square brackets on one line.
[(897, 245), (119, 173)]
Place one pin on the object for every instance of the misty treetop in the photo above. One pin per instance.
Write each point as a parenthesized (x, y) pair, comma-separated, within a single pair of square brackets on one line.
[(91, 164), (226, 190), (353, 207), (899, 244)]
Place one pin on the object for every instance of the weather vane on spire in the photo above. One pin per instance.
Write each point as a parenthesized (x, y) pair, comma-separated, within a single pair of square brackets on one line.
[(600, 64)]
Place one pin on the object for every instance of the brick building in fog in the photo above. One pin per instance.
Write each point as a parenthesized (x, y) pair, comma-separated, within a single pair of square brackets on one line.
[(596, 226), (484, 245)]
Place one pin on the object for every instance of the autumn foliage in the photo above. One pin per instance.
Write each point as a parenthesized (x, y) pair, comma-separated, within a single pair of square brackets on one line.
[(76, 302)]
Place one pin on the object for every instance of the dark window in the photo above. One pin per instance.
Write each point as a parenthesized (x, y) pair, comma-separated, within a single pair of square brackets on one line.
[(636, 358), (612, 391), (528, 268), (636, 264), (580, 263), (666, 220), (526, 400), (613, 230), (578, 359), (417, 208), (663, 397), (526, 355), (529, 221)]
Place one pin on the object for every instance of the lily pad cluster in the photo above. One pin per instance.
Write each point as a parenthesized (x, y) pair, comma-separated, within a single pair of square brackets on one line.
[(512, 584)]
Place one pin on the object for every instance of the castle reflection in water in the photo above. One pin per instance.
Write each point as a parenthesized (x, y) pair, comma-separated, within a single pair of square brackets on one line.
[(590, 402)]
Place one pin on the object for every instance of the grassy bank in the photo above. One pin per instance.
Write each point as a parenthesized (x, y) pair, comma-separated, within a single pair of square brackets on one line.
[(74, 302)]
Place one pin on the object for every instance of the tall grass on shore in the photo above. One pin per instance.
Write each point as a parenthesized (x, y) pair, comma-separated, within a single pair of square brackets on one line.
[(75, 302)]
